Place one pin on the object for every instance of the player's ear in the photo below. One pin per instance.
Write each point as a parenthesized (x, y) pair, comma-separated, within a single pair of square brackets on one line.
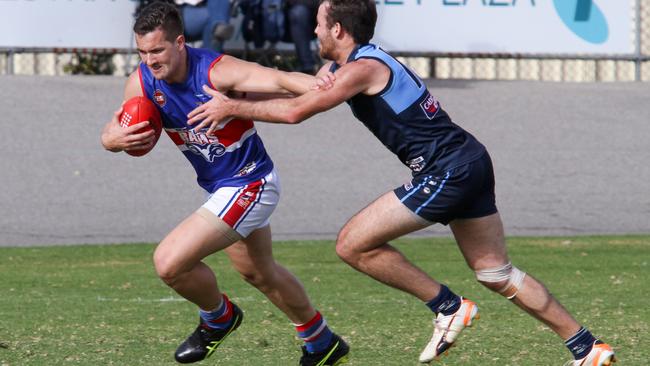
[(180, 42), (337, 30)]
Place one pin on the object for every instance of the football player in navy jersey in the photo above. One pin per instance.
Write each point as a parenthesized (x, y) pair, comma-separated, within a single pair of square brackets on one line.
[(452, 181), (241, 185)]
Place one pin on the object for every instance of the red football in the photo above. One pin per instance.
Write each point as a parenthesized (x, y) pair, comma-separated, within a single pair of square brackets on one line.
[(139, 109)]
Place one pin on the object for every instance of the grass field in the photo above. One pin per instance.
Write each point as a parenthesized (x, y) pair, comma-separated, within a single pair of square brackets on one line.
[(104, 305)]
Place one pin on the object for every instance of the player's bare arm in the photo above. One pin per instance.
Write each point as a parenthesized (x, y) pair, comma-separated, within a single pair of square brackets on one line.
[(115, 138), (233, 74), (364, 76), (324, 77)]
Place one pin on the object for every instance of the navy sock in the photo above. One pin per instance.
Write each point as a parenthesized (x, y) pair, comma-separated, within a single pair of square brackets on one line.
[(446, 302), (580, 343)]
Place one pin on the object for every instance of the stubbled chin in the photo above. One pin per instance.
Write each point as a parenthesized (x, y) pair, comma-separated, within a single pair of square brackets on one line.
[(157, 72)]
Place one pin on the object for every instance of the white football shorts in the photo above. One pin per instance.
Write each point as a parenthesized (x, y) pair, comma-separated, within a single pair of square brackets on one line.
[(248, 207)]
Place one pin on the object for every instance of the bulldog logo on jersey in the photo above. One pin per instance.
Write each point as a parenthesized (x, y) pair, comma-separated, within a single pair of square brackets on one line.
[(198, 142), (228, 137), (209, 152), (430, 106)]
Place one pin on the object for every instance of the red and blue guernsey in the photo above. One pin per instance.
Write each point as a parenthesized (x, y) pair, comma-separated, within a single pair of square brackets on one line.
[(235, 155)]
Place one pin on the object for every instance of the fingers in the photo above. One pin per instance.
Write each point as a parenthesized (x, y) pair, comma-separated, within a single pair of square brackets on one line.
[(142, 135), (137, 127), (141, 145), (207, 121), (329, 78), (210, 91), (201, 116), (205, 110), (325, 81), (207, 115), (214, 93), (193, 116), (214, 125), (202, 113), (117, 138), (211, 130), (140, 141)]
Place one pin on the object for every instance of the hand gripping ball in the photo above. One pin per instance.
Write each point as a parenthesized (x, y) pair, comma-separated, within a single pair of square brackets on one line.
[(140, 109)]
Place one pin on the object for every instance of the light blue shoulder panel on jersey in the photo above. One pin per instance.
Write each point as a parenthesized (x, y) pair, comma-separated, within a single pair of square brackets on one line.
[(404, 87)]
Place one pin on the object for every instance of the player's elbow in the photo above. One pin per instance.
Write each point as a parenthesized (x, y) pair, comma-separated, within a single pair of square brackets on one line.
[(295, 116)]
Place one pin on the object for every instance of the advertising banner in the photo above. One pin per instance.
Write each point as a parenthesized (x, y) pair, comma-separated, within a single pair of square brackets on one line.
[(507, 26), (586, 27), (66, 23)]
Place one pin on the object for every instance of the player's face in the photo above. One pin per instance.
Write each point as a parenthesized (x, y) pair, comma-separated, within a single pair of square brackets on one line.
[(161, 56), (324, 34)]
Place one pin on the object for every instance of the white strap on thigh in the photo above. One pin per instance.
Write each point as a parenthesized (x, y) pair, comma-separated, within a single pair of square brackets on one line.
[(507, 272)]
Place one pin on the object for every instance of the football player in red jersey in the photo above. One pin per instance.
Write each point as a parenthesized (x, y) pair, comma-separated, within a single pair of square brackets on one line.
[(238, 176)]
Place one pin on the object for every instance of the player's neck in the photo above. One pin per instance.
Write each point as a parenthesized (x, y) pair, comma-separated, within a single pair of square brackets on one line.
[(180, 74), (345, 52)]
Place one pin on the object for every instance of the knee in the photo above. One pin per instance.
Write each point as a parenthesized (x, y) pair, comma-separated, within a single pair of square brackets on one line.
[(257, 279), (254, 278), (506, 280), (494, 286), (345, 249), (166, 268)]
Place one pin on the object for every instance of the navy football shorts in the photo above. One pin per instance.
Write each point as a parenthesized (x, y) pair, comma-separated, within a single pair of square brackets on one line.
[(462, 193)]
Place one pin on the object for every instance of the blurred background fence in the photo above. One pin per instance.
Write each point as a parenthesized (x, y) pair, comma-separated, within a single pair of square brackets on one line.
[(440, 65)]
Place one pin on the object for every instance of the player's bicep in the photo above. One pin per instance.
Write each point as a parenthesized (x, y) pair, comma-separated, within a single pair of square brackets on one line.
[(133, 88), (266, 80), (231, 73)]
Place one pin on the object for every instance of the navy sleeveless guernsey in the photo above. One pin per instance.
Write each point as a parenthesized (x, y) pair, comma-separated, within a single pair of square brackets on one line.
[(409, 121)]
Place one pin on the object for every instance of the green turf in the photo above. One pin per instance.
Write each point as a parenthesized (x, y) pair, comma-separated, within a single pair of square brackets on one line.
[(104, 305)]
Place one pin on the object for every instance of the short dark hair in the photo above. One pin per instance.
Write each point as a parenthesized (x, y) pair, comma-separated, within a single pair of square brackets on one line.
[(357, 17), (159, 14)]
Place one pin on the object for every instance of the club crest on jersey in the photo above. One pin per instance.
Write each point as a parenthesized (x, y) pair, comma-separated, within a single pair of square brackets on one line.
[(416, 164), (430, 106), (160, 98)]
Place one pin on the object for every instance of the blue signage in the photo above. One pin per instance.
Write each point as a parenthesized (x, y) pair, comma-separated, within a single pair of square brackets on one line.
[(584, 18)]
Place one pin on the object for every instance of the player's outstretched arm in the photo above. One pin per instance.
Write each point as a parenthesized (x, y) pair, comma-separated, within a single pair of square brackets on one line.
[(351, 79), (231, 73)]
